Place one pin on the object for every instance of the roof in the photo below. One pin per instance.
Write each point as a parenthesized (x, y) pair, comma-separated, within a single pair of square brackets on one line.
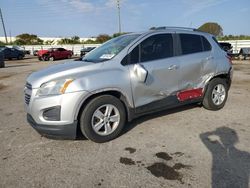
[(176, 29)]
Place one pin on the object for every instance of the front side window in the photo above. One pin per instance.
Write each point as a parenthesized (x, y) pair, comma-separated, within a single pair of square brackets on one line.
[(190, 43), (156, 47), (134, 55), (153, 48)]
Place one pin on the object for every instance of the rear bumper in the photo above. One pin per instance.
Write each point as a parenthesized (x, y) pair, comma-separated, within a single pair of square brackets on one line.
[(68, 131), (230, 77)]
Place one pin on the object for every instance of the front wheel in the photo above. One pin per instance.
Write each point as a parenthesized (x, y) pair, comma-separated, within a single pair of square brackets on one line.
[(216, 94), (103, 118), (51, 58)]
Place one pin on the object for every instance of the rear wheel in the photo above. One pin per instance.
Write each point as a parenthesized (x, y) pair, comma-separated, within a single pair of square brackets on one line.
[(19, 57), (103, 118), (216, 94)]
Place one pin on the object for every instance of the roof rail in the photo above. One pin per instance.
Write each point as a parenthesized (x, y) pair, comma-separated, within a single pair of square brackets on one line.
[(169, 27)]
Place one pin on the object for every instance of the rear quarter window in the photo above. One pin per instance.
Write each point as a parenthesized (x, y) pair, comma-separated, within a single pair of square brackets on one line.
[(206, 44)]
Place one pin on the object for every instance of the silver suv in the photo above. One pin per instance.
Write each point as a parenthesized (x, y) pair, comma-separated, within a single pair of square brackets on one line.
[(128, 76)]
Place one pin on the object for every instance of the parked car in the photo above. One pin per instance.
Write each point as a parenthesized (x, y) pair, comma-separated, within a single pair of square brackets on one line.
[(54, 54), (227, 47), (26, 52), (35, 52), (244, 53), (126, 77), (11, 53), (86, 50), (2, 65)]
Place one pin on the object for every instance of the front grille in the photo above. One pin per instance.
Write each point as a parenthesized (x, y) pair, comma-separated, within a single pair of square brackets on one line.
[(27, 98), (27, 95)]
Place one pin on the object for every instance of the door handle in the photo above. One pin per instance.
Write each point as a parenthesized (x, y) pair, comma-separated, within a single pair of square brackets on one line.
[(173, 67)]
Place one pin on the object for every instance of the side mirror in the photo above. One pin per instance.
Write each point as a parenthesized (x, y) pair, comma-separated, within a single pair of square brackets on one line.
[(140, 73)]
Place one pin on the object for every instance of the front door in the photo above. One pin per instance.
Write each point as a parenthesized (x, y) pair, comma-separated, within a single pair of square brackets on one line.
[(153, 59)]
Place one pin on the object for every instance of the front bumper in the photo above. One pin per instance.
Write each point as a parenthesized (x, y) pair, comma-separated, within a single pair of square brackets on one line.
[(54, 116), (68, 131), (69, 104)]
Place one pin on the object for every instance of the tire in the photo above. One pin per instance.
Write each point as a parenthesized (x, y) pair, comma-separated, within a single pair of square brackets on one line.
[(45, 58), (2, 65), (97, 107), (52, 58), (69, 56), (241, 57), (19, 57), (214, 100)]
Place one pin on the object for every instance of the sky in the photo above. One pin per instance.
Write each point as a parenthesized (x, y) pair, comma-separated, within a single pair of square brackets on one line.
[(87, 18)]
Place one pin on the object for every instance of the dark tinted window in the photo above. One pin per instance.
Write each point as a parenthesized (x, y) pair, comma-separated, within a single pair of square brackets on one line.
[(206, 44), (134, 55), (156, 47), (61, 49), (190, 43)]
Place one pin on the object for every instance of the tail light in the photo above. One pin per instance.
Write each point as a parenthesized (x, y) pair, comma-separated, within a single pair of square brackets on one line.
[(229, 59)]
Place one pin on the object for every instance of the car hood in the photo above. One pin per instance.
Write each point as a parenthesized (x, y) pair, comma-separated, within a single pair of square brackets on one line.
[(61, 71), (41, 52)]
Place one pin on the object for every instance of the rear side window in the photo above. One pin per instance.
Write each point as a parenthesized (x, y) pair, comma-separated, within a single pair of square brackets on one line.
[(206, 44), (61, 49), (190, 43)]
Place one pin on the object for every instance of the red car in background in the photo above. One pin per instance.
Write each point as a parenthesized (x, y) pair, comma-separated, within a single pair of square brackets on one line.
[(53, 54)]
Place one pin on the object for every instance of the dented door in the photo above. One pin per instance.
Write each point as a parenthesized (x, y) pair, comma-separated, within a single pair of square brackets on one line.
[(162, 81), (156, 59)]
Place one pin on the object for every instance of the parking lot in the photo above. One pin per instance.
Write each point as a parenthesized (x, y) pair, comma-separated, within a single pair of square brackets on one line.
[(184, 147)]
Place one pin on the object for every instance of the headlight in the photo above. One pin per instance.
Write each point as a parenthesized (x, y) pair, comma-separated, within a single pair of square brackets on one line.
[(56, 87)]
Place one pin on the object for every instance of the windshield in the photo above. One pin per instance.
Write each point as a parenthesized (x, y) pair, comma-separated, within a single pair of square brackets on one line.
[(110, 49), (2, 48), (18, 47)]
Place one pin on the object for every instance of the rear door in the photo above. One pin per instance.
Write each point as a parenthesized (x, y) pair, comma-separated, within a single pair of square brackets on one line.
[(7, 53), (193, 59), (63, 53), (57, 53), (154, 55)]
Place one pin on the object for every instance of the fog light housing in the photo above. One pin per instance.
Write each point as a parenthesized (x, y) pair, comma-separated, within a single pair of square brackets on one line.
[(52, 114)]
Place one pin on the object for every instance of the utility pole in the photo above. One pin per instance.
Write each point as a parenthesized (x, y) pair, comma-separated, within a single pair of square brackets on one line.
[(119, 15), (1, 15), (10, 37)]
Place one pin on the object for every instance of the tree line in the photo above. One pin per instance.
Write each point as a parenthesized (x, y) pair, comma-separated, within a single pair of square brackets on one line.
[(31, 39)]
